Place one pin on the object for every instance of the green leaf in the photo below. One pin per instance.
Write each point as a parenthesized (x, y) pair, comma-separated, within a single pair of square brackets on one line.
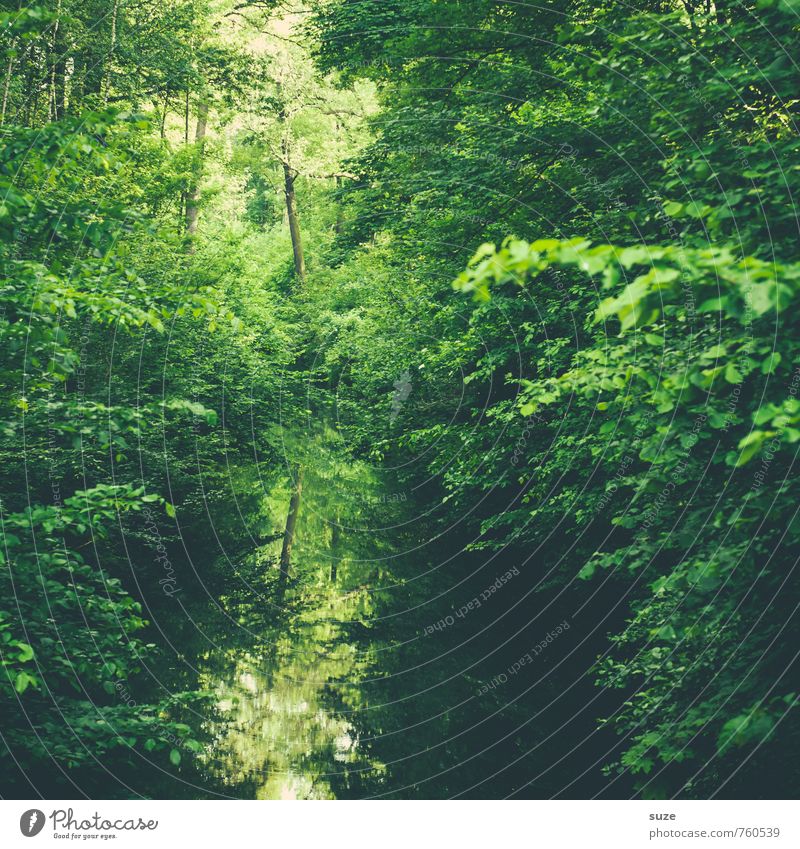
[(638, 255), (25, 652), (667, 632), (714, 305), (695, 209), (23, 681), (732, 374), (175, 757)]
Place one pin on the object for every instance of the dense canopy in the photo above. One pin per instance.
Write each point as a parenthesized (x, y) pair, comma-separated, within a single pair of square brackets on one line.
[(399, 399)]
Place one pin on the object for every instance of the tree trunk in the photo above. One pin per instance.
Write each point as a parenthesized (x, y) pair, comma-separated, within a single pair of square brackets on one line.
[(6, 86), (294, 223), (334, 547), (338, 227), (52, 104), (107, 83), (164, 114), (92, 60), (291, 522), (60, 89), (291, 199), (194, 188), (33, 85)]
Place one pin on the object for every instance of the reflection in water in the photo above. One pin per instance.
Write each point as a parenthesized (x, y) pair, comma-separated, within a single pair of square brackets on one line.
[(342, 681), (278, 736), (274, 734)]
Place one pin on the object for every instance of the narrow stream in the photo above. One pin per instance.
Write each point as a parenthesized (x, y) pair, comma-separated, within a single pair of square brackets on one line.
[(357, 679), (276, 734), (284, 670)]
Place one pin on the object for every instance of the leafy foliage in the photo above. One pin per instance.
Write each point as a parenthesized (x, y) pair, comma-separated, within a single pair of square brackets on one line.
[(607, 411)]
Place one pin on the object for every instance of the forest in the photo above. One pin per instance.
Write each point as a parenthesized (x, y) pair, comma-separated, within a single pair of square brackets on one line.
[(399, 399)]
